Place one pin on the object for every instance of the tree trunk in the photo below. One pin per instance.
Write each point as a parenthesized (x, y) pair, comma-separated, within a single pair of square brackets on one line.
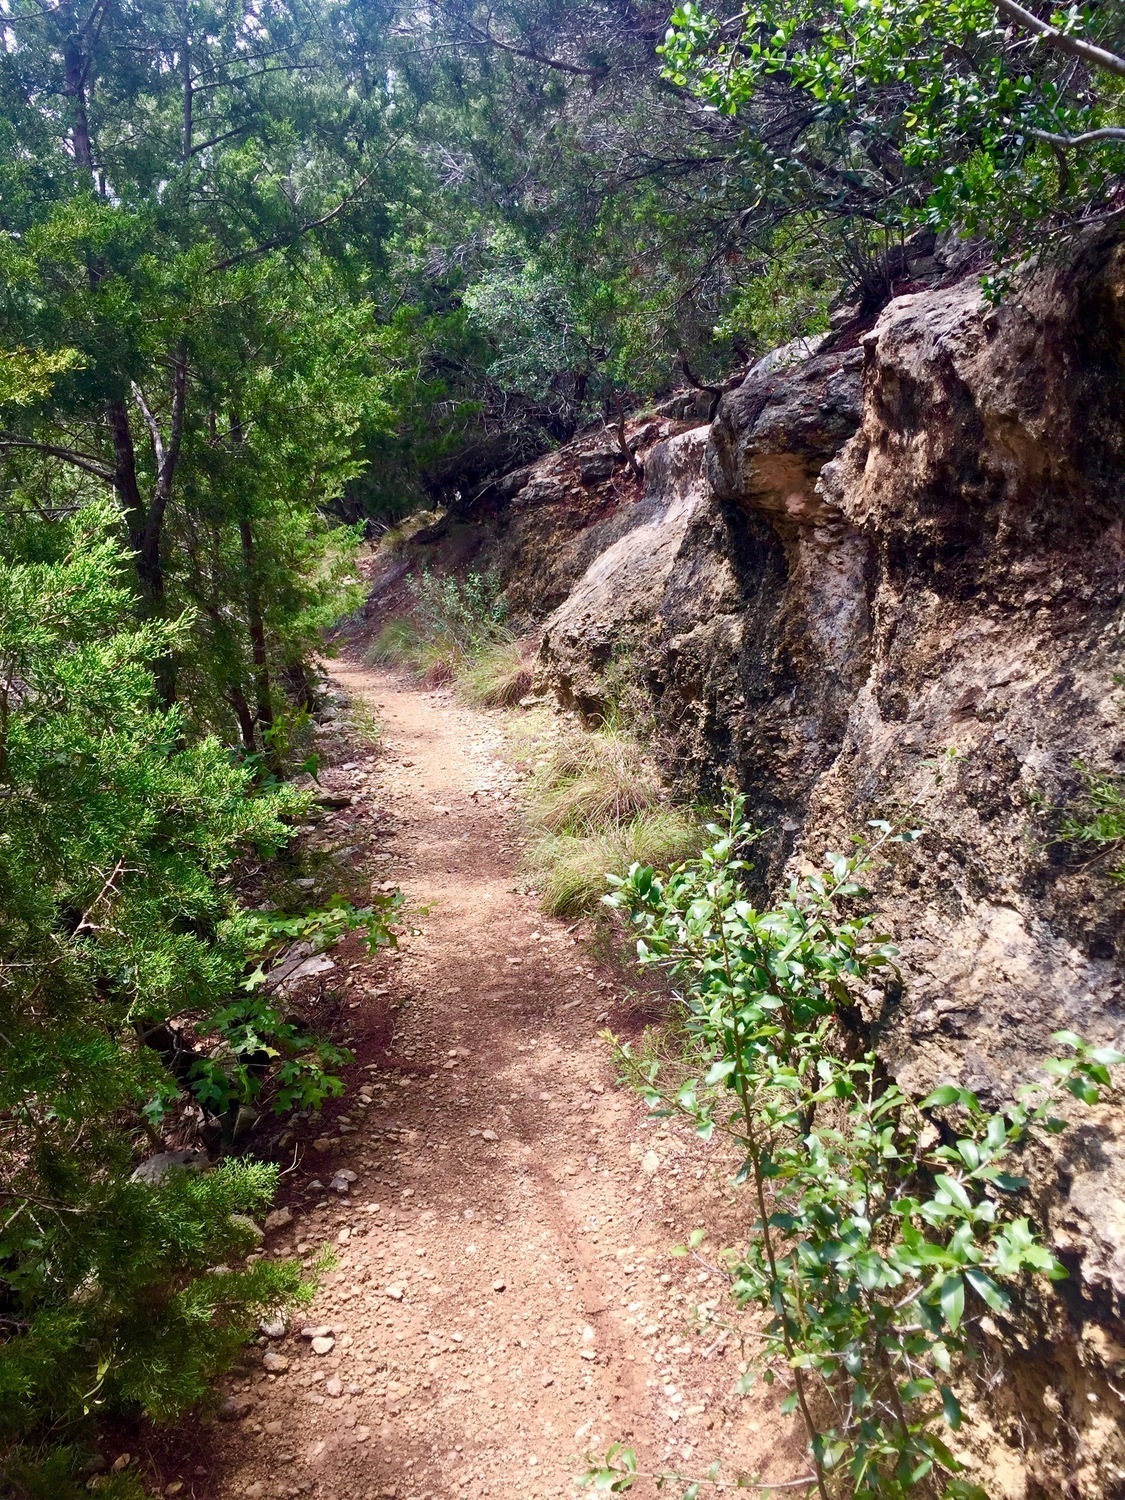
[(237, 699), (263, 694)]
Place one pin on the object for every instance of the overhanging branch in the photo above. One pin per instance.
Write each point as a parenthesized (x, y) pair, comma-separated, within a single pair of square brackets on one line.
[(67, 455), (1097, 57), (1107, 133)]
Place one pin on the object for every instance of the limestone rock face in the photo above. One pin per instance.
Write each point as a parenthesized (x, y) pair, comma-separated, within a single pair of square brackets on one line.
[(551, 520), (888, 583), (616, 606)]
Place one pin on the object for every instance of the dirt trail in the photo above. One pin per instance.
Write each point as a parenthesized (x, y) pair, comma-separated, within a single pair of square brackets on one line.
[(504, 1299)]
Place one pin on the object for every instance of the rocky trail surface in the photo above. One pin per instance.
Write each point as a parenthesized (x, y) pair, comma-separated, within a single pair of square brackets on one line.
[(500, 1210)]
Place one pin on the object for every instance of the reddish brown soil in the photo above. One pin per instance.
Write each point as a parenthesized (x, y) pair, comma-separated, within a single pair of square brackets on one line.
[(504, 1299)]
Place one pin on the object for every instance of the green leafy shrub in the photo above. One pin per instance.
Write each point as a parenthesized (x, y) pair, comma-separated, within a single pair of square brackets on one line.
[(882, 1227), (465, 612), (139, 1310), (453, 623), (981, 121), (118, 940), (48, 1474), (789, 296), (1098, 819)]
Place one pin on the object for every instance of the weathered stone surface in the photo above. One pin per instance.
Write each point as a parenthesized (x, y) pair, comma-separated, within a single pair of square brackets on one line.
[(156, 1168), (553, 519), (613, 609), (234, 1408), (889, 583)]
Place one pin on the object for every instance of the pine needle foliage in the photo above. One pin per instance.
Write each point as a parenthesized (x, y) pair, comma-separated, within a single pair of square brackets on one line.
[(115, 833)]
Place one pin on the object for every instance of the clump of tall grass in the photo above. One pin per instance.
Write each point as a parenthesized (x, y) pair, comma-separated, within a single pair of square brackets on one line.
[(597, 806), (589, 781), (394, 645), (497, 676), (571, 868)]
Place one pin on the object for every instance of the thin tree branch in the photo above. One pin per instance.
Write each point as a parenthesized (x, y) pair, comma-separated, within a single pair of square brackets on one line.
[(152, 424), (230, 83), (282, 240), (217, 140), (1106, 133), (87, 465), (623, 441), (1096, 56), (86, 925), (487, 38), (176, 432)]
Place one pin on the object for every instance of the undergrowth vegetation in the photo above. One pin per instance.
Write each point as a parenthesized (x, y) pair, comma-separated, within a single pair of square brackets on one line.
[(457, 632), (1097, 821), (596, 805), (570, 868), (132, 1008), (881, 1228)]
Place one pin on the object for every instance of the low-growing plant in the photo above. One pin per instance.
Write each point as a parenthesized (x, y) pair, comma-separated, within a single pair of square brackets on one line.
[(596, 805), (588, 781), (395, 644), (451, 632), (572, 867), (467, 611), (497, 676), (265, 932), (883, 1227), (164, 1304), (365, 727), (1097, 820)]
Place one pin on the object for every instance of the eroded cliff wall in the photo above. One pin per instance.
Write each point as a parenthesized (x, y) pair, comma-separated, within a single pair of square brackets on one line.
[(887, 581)]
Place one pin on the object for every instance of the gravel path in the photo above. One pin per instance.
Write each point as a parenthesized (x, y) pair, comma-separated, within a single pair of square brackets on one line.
[(503, 1299)]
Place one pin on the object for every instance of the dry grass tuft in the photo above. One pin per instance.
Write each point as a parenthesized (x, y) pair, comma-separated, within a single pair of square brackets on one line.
[(591, 781), (572, 868), (596, 806), (498, 676)]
